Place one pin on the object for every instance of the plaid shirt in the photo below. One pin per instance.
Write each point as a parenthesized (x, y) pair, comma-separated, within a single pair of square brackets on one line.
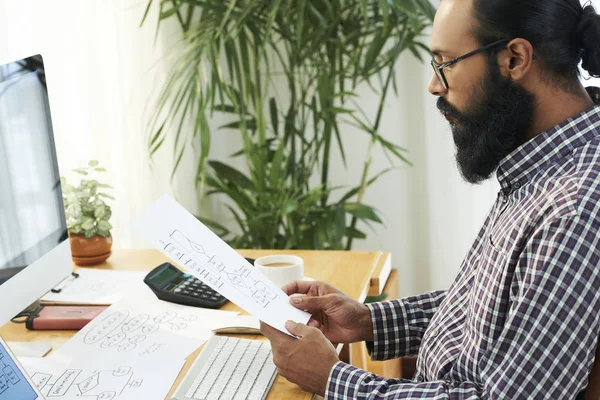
[(521, 320)]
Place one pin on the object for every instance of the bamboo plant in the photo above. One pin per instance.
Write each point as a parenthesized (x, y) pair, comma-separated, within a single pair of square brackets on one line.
[(287, 73)]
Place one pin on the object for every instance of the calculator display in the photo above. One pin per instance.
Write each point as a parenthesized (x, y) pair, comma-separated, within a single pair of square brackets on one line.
[(165, 276)]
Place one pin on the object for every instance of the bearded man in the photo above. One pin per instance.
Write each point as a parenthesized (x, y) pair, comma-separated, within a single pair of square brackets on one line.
[(521, 319)]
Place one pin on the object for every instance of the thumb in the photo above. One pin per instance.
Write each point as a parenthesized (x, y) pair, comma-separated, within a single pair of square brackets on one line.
[(297, 329), (310, 303)]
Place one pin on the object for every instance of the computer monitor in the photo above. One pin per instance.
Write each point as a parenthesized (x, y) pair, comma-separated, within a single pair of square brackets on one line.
[(34, 249), (15, 383)]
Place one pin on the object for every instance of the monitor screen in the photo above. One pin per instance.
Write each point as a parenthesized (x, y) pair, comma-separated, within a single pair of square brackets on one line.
[(32, 220), (13, 383)]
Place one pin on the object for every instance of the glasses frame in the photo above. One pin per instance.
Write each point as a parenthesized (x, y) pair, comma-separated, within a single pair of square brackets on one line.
[(438, 68)]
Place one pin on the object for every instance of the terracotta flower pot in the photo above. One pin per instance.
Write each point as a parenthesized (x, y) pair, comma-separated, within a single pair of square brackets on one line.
[(92, 251)]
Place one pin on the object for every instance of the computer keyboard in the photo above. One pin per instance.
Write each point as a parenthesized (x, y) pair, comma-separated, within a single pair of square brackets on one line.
[(229, 368)]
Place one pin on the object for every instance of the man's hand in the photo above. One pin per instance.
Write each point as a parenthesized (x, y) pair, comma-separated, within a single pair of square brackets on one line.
[(341, 319), (305, 361)]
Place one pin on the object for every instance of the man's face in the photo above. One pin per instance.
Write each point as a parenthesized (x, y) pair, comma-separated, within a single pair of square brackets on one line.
[(488, 113)]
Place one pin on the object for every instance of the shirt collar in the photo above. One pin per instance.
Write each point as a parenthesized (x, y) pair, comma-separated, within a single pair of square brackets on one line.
[(548, 147)]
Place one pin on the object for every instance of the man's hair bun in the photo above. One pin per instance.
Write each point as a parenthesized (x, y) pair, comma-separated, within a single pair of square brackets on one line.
[(588, 34)]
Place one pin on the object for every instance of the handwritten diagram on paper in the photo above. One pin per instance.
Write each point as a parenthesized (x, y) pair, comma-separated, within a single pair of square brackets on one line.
[(216, 272), (189, 243), (124, 332), (102, 380), (141, 325)]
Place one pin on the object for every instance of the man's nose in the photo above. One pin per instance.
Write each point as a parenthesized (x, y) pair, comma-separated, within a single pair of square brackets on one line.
[(435, 87)]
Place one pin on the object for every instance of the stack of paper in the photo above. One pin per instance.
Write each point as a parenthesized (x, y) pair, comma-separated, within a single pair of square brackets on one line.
[(133, 350)]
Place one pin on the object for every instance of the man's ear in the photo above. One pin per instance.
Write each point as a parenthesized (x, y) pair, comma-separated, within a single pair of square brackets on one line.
[(516, 60)]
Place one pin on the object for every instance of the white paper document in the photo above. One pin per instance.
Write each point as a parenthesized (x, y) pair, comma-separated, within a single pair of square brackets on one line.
[(104, 379), (96, 286), (144, 327), (185, 240)]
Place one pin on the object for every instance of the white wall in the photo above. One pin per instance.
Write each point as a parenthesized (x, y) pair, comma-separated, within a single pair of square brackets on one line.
[(103, 71)]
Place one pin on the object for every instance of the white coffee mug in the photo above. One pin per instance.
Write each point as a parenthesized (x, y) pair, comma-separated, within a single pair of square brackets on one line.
[(281, 269)]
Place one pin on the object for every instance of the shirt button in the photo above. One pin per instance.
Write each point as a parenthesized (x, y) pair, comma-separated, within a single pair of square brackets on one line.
[(516, 185), (435, 333)]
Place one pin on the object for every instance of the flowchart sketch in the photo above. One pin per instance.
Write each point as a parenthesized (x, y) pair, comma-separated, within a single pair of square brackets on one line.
[(183, 240), (189, 243), (143, 326), (121, 379)]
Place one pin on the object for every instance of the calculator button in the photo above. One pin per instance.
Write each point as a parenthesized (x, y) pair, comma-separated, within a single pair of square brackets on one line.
[(177, 290), (213, 298)]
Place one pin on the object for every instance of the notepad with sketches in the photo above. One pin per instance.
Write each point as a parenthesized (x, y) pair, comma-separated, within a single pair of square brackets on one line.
[(95, 286)]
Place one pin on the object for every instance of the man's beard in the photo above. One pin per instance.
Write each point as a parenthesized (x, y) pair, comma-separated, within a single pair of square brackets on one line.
[(492, 127)]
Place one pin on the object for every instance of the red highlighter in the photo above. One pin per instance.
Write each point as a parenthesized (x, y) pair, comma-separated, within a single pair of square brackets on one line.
[(63, 317)]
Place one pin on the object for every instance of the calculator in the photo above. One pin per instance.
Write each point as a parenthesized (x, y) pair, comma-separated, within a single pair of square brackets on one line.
[(171, 284)]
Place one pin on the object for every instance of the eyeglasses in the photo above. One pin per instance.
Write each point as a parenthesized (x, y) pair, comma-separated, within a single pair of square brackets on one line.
[(438, 68)]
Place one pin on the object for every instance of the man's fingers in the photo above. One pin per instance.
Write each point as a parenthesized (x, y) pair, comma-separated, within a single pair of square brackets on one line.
[(314, 323), (297, 329), (268, 331), (312, 304), (297, 287)]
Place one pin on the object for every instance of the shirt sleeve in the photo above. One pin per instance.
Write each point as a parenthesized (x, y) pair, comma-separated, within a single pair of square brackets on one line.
[(399, 325), (547, 345)]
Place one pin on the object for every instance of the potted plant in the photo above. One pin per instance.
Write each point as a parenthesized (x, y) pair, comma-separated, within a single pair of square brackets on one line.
[(88, 216), (236, 58)]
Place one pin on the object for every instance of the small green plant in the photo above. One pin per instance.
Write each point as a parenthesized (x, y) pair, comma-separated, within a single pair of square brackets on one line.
[(85, 209)]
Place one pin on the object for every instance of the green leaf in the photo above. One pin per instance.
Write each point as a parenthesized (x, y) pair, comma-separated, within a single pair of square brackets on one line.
[(99, 212), (362, 211), (224, 171), (107, 196), (93, 163), (225, 108), (248, 124), (171, 11), (355, 190), (146, 12), (355, 233), (289, 207), (104, 226), (88, 223), (274, 116), (81, 171)]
